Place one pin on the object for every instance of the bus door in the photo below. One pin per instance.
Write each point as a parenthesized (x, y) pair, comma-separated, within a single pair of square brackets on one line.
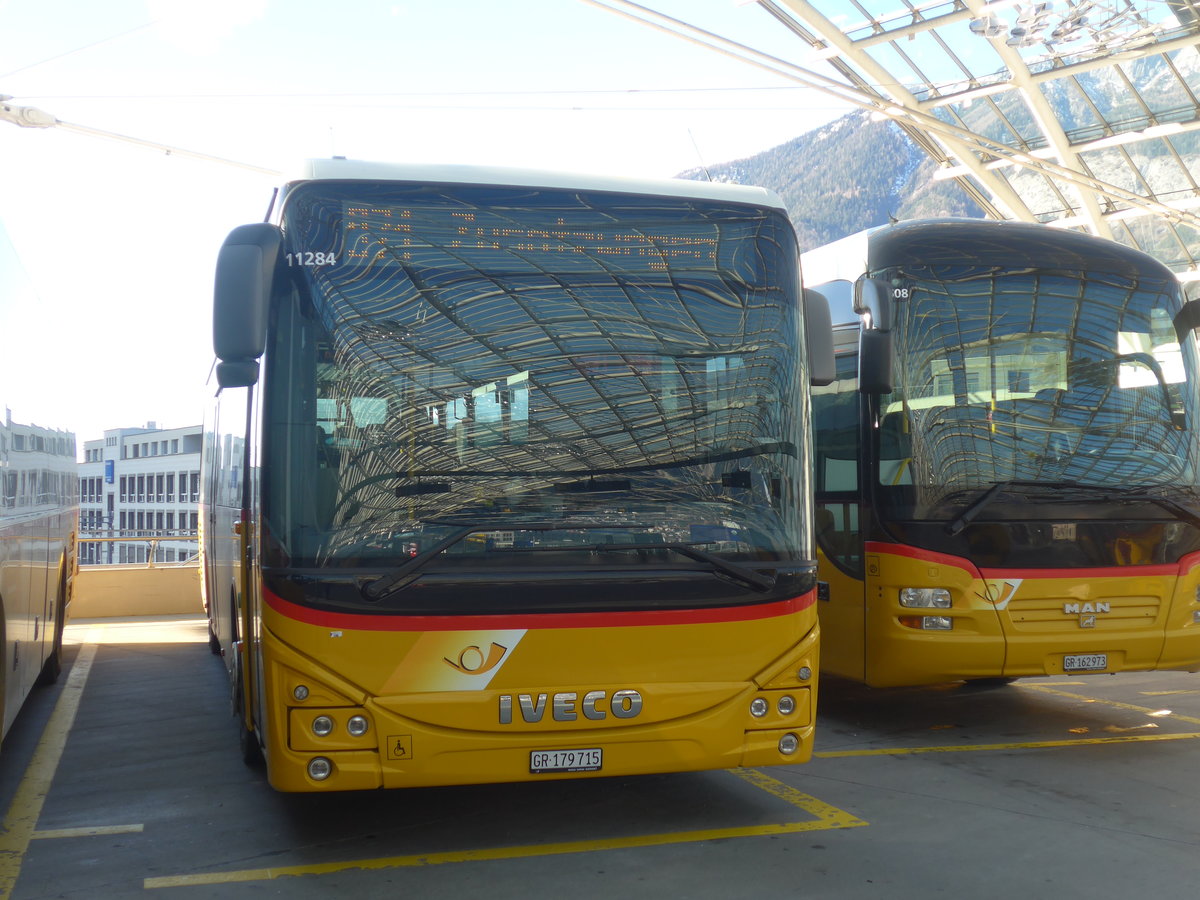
[(842, 604)]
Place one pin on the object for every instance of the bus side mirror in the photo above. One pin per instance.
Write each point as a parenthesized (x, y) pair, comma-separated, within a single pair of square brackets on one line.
[(818, 331), (874, 361), (242, 290), (1188, 318), (873, 298)]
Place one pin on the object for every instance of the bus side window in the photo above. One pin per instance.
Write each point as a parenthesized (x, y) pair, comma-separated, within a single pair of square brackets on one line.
[(839, 534), (325, 489), (895, 450), (835, 414)]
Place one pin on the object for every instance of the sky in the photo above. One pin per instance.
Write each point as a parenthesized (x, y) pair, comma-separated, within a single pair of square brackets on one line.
[(106, 323)]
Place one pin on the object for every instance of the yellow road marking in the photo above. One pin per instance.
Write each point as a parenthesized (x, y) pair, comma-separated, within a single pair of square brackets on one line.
[(87, 831), (834, 817), (19, 824), (1016, 745), (827, 817), (1117, 704)]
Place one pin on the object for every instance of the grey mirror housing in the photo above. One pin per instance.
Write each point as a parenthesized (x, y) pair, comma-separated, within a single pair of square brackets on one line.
[(818, 330), (241, 295)]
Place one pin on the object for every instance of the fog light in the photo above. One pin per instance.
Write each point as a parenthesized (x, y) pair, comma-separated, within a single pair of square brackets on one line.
[(300, 692), (787, 705), (804, 674), (789, 744), (925, 598), (319, 768), (937, 623), (357, 726), (758, 707), (322, 725), (1196, 616)]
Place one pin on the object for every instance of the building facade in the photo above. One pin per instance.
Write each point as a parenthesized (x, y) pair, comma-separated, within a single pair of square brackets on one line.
[(138, 495), (35, 468)]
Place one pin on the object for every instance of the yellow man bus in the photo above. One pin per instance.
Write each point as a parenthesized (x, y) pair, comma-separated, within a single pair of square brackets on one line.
[(1007, 463), (508, 479)]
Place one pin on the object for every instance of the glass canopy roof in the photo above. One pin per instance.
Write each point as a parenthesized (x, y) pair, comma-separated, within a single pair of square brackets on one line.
[(1080, 113)]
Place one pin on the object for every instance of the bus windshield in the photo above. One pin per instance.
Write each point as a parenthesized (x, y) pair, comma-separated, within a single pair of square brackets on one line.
[(1033, 376), (493, 372)]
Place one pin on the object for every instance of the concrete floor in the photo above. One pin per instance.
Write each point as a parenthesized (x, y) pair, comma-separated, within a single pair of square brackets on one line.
[(1066, 788)]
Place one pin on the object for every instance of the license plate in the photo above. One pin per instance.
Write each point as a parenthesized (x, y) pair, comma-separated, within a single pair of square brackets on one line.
[(542, 761), (1085, 662)]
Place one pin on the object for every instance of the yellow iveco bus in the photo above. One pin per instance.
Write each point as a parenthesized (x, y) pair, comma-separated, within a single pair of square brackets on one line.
[(508, 478), (1007, 463)]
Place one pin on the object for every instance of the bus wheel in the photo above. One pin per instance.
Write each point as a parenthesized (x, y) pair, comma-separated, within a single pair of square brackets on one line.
[(52, 667), (983, 684), (248, 745), (247, 739)]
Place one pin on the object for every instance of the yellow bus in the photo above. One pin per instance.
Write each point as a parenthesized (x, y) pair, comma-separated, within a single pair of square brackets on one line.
[(38, 509), (508, 478), (1007, 464), (39, 502)]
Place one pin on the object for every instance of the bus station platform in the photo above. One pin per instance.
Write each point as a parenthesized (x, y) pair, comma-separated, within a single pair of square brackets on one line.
[(124, 780)]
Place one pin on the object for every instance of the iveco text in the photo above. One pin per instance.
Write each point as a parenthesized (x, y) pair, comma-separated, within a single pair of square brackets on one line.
[(566, 706)]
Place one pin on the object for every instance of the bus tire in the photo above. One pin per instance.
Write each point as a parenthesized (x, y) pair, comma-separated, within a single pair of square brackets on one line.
[(52, 667), (252, 754), (984, 684), (248, 746)]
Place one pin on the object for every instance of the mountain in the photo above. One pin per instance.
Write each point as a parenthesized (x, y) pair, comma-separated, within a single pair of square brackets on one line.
[(846, 176)]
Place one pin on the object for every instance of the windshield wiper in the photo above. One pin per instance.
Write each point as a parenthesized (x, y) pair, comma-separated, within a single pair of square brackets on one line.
[(963, 519), (1095, 492), (1177, 509), (400, 577), (753, 579), (404, 575), (748, 577), (957, 524)]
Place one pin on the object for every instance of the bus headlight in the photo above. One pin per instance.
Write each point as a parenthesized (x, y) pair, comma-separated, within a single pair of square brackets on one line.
[(925, 598), (322, 726), (758, 707), (786, 705), (319, 768), (357, 726)]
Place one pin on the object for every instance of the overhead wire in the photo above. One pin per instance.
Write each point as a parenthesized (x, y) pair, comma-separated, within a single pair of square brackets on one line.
[(79, 49)]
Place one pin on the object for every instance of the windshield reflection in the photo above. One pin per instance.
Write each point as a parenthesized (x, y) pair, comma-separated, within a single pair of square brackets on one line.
[(426, 385), (1020, 386)]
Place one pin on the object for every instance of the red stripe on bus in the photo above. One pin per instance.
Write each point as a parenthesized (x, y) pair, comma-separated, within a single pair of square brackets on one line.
[(943, 559), (1182, 567), (371, 622), (1189, 562)]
